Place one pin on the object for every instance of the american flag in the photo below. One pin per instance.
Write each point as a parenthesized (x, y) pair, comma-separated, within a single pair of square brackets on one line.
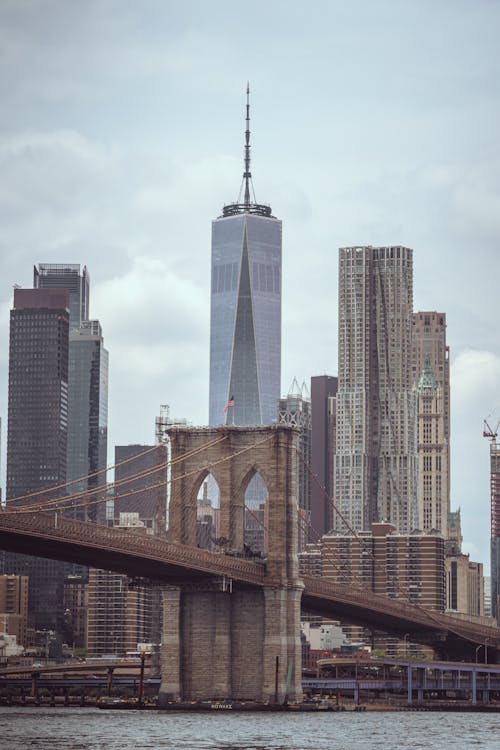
[(229, 404)]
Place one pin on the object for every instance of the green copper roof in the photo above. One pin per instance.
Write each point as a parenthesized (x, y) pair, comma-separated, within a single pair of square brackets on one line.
[(427, 380)]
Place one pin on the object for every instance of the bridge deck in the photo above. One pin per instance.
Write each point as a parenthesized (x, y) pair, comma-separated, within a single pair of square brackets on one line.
[(138, 554)]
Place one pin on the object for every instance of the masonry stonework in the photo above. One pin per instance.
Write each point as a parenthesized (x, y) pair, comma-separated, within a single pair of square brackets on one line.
[(225, 640)]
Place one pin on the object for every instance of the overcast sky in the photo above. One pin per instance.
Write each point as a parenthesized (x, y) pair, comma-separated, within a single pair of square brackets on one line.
[(373, 122)]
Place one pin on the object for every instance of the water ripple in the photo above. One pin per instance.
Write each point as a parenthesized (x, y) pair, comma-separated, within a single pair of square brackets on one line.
[(91, 729)]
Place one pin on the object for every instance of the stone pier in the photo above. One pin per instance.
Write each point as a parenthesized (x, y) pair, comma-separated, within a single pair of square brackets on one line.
[(223, 640)]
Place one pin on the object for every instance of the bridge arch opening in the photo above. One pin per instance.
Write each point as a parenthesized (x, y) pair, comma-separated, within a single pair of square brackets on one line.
[(256, 513), (208, 512)]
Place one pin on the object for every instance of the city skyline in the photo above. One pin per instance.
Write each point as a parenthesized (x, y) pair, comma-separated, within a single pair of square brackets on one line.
[(121, 139)]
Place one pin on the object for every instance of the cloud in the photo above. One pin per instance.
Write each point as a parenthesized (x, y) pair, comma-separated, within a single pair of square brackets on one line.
[(475, 378)]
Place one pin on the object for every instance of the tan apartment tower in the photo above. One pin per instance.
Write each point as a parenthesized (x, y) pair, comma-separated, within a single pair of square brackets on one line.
[(433, 453), (376, 447), (431, 371)]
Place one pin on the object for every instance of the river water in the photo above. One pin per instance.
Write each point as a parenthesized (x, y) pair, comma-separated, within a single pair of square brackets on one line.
[(94, 729)]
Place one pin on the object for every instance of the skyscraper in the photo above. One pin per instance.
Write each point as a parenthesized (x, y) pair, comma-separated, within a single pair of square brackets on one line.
[(295, 410), (433, 451), (245, 318), (38, 391), (323, 414), (87, 382), (87, 412), (74, 279), (495, 524), (37, 428), (431, 371), (376, 451)]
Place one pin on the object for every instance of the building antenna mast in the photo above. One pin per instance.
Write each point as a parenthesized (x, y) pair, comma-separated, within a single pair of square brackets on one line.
[(248, 204), (247, 175)]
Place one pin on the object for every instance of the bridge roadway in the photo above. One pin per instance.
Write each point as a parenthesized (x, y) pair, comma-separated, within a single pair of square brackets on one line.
[(140, 555)]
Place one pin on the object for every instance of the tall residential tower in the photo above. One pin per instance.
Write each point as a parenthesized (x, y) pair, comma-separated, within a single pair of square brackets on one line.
[(376, 450), (245, 317)]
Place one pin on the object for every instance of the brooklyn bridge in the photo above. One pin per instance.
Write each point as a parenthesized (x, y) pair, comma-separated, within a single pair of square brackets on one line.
[(229, 621)]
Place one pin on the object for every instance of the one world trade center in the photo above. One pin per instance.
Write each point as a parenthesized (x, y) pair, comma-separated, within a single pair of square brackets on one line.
[(245, 315)]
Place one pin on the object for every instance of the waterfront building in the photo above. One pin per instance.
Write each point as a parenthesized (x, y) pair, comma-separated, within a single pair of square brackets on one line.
[(376, 448), (119, 610), (119, 614), (14, 607), (401, 566)]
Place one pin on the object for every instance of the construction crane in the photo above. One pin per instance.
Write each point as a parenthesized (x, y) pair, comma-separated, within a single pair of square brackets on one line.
[(490, 433)]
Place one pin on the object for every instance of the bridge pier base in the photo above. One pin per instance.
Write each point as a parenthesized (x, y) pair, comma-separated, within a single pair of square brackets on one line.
[(222, 644), (282, 640)]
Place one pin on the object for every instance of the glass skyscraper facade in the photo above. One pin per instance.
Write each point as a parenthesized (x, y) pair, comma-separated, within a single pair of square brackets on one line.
[(245, 321), (88, 412), (245, 314), (73, 278)]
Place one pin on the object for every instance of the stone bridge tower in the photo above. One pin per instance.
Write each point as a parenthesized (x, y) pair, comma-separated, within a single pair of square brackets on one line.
[(223, 639)]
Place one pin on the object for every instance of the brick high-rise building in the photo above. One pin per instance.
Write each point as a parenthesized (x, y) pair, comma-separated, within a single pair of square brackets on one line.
[(400, 566), (120, 611), (14, 606), (118, 615), (376, 450)]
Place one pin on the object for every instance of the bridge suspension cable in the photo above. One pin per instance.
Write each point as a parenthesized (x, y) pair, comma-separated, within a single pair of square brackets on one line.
[(69, 499)]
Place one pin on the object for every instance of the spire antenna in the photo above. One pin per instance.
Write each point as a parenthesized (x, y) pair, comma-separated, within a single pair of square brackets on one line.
[(246, 193), (247, 175)]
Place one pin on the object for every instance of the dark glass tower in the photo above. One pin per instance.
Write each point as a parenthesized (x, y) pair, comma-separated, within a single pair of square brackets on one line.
[(37, 428), (245, 319), (74, 279), (87, 413), (87, 382)]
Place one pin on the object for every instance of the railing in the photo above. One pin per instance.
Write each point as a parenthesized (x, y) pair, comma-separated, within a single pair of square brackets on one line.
[(401, 610), (57, 527), (131, 544)]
